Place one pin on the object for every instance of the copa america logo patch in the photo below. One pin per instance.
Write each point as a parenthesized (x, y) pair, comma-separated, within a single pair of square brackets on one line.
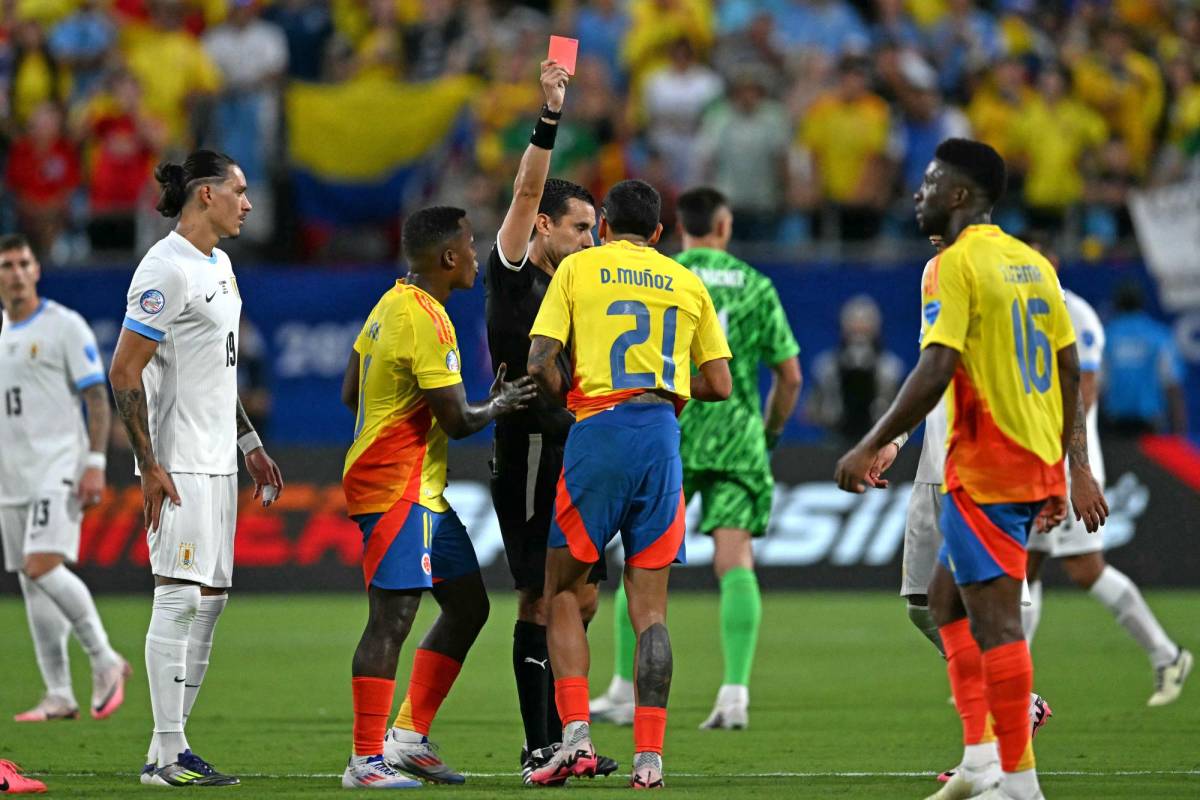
[(452, 361), (426, 564), (152, 301), (932, 309)]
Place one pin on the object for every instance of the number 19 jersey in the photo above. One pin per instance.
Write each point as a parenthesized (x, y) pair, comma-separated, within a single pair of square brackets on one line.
[(633, 320), (998, 302)]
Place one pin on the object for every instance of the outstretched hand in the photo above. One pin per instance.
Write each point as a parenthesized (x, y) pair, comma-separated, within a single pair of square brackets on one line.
[(509, 396), (554, 84)]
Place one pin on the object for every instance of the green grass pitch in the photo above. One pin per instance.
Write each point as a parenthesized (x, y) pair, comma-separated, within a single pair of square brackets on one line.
[(848, 702)]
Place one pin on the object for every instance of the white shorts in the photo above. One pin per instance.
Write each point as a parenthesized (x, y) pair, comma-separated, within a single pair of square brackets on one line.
[(922, 538), (194, 541), (50, 524), (1068, 539)]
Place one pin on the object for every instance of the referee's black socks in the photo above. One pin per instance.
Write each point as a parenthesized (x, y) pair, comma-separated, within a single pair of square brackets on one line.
[(535, 687)]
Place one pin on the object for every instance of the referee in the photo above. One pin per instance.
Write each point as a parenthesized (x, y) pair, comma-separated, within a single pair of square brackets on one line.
[(547, 221)]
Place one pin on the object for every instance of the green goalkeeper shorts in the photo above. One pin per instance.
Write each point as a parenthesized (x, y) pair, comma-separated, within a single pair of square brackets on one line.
[(740, 500)]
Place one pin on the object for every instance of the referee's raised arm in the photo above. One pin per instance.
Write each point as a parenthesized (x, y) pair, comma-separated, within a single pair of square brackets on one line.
[(513, 237)]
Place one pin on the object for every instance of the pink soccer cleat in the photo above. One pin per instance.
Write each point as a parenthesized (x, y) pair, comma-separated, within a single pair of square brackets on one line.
[(48, 708), (108, 689), (13, 782)]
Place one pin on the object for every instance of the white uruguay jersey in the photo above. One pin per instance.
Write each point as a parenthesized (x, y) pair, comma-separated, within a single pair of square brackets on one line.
[(932, 466), (46, 360), (189, 303), (1089, 342)]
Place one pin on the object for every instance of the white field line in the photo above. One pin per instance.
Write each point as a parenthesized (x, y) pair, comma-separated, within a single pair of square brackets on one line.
[(723, 775)]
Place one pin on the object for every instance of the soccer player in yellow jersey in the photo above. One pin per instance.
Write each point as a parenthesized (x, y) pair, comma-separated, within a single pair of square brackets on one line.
[(404, 385), (633, 322), (999, 338)]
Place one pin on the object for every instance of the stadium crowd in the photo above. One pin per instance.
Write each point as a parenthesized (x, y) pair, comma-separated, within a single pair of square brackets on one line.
[(815, 117)]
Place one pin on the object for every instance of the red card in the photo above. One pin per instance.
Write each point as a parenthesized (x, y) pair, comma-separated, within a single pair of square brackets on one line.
[(564, 51)]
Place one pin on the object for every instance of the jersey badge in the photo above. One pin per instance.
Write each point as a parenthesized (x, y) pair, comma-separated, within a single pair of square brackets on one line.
[(187, 555), (426, 564), (452, 361), (931, 311), (1089, 338), (152, 301), (33, 350), (89, 350)]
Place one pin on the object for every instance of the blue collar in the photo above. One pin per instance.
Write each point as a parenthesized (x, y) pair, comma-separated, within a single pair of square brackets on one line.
[(18, 325)]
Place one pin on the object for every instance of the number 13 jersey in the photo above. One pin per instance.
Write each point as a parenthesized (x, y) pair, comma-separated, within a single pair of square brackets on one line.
[(189, 303), (632, 320), (998, 302)]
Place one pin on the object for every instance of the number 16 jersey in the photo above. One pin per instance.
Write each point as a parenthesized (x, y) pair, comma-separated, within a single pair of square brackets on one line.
[(632, 320), (189, 303), (998, 302)]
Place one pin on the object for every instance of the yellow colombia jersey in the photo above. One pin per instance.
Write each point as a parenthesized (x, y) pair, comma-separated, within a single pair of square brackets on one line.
[(399, 450), (998, 302), (633, 320)]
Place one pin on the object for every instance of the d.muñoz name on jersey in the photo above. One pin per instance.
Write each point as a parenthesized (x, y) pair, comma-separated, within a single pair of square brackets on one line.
[(189, 303), (46, 360)]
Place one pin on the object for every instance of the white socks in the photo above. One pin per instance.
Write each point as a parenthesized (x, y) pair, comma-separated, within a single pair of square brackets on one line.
[(1031, 614), (72, 597), (49, 627), (175, 608), (199, 647), (1121, 596), (977, 757), (1022, 785)]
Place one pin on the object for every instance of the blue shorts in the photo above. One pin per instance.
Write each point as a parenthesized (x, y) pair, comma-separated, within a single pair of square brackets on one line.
[(982, 542), (411, 547), (622, 472)]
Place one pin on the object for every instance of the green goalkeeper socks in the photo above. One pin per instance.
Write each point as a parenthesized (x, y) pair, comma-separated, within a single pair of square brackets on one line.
[(741, 614), (624, 639)]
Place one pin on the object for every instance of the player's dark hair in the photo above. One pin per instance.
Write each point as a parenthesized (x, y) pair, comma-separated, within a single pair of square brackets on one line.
[(977, 161), (176, 181), (557, 195), (697, 207), (13, 241), (632, 207), (429, 228)]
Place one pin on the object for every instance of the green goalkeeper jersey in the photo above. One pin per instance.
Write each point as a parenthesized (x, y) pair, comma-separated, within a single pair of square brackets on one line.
[(729, 436)]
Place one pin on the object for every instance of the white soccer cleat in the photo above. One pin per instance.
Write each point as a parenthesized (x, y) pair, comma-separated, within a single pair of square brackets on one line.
[(372, 772), (731, 711), (49, 707), (1168, 680), (998, 793), (616, 705), (966, 783), (647, 771)]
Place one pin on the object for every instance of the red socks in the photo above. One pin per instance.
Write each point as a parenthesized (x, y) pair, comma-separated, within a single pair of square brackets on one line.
[(433, 674), (964, 664), (372, 705), (649, 728), (1009, 672), (571, 697)]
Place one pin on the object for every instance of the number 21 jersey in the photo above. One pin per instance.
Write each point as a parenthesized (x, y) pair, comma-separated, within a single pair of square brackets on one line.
[(997, 301), (189, 303)]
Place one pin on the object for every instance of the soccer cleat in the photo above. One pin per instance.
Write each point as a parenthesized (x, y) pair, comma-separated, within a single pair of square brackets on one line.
[(208, 776), (173, 774), (647, 771), (998, 793), (576, 758), (605, 766), (731, 711), (1168, 680), (1039, 712), (13, 782), (616, 705), (49, 707), (108, 689), (419, 759), (373, 772), (964, 783)]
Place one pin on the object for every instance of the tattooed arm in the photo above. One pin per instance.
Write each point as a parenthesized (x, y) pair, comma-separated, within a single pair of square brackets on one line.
[(541, 366), (133, 353), (99, 421), (1087, 496), (262, 468), (243, 421)]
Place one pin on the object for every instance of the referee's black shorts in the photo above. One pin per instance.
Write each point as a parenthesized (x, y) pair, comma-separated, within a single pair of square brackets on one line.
[(525, 471)]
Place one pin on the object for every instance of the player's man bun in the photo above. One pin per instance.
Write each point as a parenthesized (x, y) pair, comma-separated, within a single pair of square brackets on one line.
[(632, 207), (979, 162), (177, 180)]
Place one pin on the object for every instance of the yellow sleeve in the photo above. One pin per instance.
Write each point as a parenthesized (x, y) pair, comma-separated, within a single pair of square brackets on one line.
[(554, 317), (708, 341), (435, 358), (206, 75), (946, 302)]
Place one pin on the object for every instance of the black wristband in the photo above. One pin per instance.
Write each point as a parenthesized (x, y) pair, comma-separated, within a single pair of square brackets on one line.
[(543, 135), (548, 114)]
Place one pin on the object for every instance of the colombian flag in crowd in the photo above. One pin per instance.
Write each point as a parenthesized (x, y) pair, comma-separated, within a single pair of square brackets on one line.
[(361, 149)]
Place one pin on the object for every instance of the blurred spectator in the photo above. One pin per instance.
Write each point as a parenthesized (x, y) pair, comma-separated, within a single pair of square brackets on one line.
[(846, 132), (1106, 194), (123, 143), (83, 43), (380, 52), (436, 44), (1054, 136), (674, 99), (1143, 374), (755, 44), (735, 16), (252, 56), (997, 107), (965, 40), (600, 26), (831, 27), (854, 383), (42, 172), (893, 25), (1126, 87), (654, 25), (926, 122), (36, 75), (743, 152), (1183, 123), (172, 69), (308, 26)]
